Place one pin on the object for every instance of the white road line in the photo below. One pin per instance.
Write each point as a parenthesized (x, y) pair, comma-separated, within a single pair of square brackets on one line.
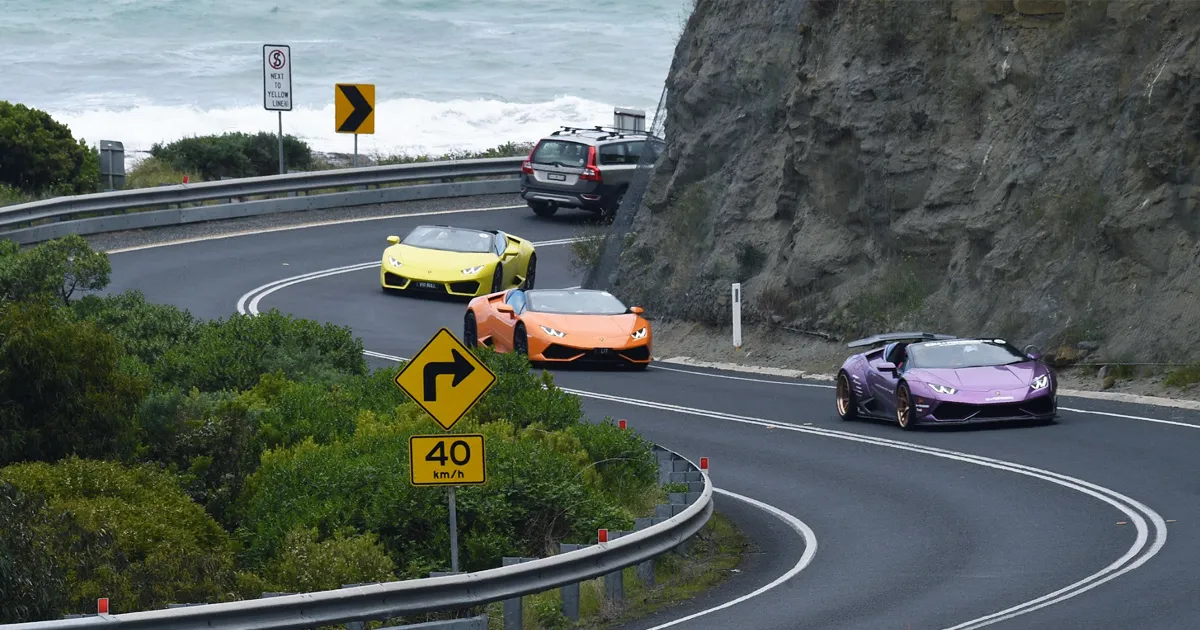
[(1128, 417), (302, 226), (752, 379), (1135, 511), (256, 294), (799, 526)]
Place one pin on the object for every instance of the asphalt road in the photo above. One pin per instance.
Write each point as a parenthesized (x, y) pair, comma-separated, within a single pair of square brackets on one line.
[(913, 530)]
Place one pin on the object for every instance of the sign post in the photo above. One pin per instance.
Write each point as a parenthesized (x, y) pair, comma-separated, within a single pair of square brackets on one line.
[(446, 380), (354, 110), (277, 86)]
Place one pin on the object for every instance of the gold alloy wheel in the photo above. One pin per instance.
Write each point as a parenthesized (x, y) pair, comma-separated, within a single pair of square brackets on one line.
[(902, 407), (843, 395)]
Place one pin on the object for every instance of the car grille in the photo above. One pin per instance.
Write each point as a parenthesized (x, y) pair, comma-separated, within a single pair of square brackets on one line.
[(596, 355), (1040, 406), (470, 287)]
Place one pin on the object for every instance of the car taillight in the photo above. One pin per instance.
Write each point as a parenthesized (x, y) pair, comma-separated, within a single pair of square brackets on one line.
[(527, 165), (591, 172)]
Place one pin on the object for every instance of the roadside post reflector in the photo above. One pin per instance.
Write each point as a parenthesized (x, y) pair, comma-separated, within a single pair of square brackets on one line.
[(621, 424), (602, 535), (102, 606), (703, 463)]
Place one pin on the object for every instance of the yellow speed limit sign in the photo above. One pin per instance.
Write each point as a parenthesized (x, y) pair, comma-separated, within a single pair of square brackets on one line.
[(446, 460)]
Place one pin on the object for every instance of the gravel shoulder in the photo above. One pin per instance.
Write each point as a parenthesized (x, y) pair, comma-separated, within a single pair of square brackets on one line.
[(778, 349)]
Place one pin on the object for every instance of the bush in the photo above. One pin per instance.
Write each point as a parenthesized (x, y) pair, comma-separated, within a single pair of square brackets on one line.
[(136, 538), (55, 269), (524, 398), (232, 354), (65, 385), (38, 155), (32, 580), (233, 154), (145, 330), (308, 564), (153, 171)]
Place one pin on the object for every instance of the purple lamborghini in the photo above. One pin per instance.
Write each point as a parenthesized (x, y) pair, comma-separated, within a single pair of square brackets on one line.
[(922, 378)]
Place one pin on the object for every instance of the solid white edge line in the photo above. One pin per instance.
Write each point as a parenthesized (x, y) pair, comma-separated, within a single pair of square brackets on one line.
[(302, 226), (256, 294), (1134, 510), (799, 526)]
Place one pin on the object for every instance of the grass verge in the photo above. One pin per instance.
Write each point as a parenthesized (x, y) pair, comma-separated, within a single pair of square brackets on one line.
[(715, 551)]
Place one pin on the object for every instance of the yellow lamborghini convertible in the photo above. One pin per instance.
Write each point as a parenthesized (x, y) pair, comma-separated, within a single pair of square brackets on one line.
[(443, 260)]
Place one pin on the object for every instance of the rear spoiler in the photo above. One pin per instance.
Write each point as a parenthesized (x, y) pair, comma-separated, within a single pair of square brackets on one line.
[(884, 338)]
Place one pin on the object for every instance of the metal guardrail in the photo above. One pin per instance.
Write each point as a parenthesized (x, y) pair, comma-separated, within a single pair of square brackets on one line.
[(687, 513), (53, 218)]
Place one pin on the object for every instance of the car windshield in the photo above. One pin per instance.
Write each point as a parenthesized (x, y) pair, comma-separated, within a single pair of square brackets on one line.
[(575, 302), (963, 353), (561, 153), (449, 239)]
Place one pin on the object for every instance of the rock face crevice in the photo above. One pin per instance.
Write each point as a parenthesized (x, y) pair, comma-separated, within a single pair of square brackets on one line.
[(1016, 168)]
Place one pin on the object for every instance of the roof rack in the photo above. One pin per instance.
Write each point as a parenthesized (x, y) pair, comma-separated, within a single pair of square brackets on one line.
[(875, 340), (606, 132)]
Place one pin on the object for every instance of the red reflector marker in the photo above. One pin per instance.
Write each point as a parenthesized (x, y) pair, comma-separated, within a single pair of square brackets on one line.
[(102, 606), (621, 424), (703, 463), (602, 535)]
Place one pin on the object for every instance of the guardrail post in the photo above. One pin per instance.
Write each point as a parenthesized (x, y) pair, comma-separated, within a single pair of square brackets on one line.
[(614, 583), (737, 315), (569, 593), (645, 570), (513, 617)]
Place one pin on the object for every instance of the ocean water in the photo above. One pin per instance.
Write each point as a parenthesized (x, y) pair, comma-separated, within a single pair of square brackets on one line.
[(449, 74)]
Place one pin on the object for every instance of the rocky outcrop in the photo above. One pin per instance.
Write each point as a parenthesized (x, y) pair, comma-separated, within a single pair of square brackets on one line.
[(1019, 168)]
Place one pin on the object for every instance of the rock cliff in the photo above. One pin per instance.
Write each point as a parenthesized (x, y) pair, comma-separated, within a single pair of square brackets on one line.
[(1022, 168)]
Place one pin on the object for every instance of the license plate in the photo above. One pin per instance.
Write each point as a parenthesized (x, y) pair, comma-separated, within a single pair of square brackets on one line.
[(603, 351), (427, 285), (557, 176)]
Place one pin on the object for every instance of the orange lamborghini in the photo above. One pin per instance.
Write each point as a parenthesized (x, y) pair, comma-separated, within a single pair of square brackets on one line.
[(560, 326)]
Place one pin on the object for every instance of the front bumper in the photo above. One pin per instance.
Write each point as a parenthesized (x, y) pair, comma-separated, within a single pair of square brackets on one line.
[(1035, 408), (462, 286), (556, 352)]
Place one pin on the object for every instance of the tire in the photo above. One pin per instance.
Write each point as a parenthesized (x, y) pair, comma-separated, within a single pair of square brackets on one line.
[(520, 340), (543, 209), (847, 405), (530, 272), (904, 416), (498, 279), (470, 331)]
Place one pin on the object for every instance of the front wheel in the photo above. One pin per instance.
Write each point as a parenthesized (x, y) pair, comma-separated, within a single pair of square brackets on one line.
[(846, 405), (904, 409), (520, 341), (470, 331), (531, 271), (498, 279)]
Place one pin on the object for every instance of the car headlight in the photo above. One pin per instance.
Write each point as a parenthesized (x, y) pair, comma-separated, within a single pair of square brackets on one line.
[(1041, 382), (392, 259), (638, 334), (551, 331), (472, 270), (942, 389)]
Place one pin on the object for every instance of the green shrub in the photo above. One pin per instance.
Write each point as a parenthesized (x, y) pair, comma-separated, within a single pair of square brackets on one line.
[(32, 579), (524, 398), (153, 171), (10, 195), (234, 353), (233, 154), (308, 564), (625, 461), (64, 385), (508, 149), (38, 155), (145, 330), (55, 269), (540, 491), (135, 537)]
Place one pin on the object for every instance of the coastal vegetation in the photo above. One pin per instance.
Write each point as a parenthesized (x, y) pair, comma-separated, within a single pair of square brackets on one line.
[(152, 457)]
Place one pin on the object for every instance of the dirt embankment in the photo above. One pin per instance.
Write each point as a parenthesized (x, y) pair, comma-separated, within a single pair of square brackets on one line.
[(1019, 168)]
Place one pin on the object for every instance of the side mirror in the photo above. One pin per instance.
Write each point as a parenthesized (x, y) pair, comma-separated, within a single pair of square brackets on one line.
[(887, 367), (636, 310), (1033, 352), (393, 239), (505, 308)]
